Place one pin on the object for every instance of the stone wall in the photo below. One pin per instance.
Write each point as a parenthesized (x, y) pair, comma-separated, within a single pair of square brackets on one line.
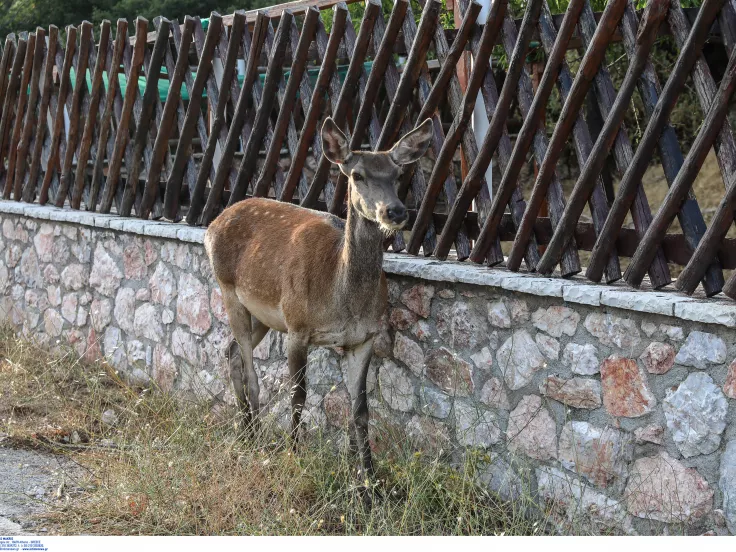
[(615, 407)]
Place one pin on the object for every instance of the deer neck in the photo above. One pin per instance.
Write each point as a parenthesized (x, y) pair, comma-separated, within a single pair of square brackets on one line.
[(362, 254)]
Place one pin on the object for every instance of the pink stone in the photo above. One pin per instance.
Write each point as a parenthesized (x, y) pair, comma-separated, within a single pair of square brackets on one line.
[(134, 264), (164, 368), (162, 285), (192, 305), (658, 358), (76, 339), (419, 299), (576, 392), (382, 345), (449, 372), (428, 434), (663, 489), (93, 352), (598, 454), (625, 389), (494, 395), (729, 387), (217, 305), (51, 275), (337, 407), (150, 254), (43, 241), (652, 433), (402, 319), (410, 353), (532, 430)]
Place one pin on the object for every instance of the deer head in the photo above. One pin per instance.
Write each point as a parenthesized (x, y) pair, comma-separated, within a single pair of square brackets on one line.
[(372, 176)]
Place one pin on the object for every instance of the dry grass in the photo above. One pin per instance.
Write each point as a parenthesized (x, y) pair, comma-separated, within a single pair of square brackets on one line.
[(169, 466)]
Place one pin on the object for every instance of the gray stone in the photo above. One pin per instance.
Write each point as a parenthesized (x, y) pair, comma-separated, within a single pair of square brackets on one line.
[(109, 417), (582, 359), (483, 359), (396, 387), (701, 349), (323, 368), (518, 309), (192, 305), (548, 346), (661, 488), (648, 328), (518, 359), (53, 295), (696, 415), (494, 395), (475, 426), (580, 502), (167, 316), (114, 347), (501, 478), (433, 402), (460, 326), (410, 353), (125, 309), (598, 454), (74, 277), (136, 352), (69, 307), (162, 285), (727, 483), (52, 322), (184, 345), (147, 323), (101, 313), (675, 333), (613, 330), (532, 430), (498, 315), (105, 276), (30, 272), (556, 321)]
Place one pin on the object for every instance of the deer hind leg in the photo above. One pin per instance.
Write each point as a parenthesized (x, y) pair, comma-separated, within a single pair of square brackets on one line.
[(358, 360), (243, 374), (297, 352)]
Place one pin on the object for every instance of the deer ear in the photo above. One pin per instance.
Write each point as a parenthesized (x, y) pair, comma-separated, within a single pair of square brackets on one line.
[(412, 145), (334, 143)]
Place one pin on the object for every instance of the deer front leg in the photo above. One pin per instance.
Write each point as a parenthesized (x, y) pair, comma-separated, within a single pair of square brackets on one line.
[(243, 374), (358, 360), (297, 352)]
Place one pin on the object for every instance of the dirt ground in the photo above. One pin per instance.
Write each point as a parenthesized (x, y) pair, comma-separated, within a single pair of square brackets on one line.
[(30, 480)]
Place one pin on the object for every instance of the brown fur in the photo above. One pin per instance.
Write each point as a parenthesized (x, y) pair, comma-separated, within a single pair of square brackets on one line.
[(309, 274)]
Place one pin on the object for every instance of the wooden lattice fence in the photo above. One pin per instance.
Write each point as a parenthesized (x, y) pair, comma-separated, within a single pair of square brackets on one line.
[(178, 121)]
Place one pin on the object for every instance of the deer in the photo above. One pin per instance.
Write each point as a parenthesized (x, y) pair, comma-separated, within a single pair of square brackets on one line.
[(312, 275)]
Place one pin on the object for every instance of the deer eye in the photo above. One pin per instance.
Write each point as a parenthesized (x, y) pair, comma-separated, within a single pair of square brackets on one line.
[(357, 177)]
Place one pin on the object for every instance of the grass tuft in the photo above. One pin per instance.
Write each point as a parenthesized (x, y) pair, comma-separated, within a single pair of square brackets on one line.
[(172, 466)]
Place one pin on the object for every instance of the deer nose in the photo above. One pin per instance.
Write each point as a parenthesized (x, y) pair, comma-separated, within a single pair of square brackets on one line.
[(397, 213)]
